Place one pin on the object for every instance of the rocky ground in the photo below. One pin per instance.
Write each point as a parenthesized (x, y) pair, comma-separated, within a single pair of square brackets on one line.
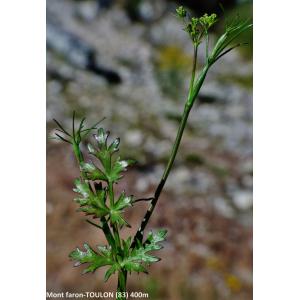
[(207, 202)]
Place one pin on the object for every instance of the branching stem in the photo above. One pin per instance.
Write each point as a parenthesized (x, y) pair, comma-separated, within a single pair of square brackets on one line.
[(143, 199)]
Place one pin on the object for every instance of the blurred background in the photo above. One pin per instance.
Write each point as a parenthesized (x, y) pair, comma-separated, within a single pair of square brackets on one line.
[(130, 61)]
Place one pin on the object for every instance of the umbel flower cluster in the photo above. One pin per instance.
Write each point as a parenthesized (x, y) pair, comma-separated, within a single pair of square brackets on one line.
[(197, 28)]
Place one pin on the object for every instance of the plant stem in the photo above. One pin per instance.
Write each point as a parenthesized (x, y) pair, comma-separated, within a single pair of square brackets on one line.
[(206, 47), (188, 106), (114, 226), (140, 232), (181, 128), (198, 84), (122, 281), (111, 193), (194, 69), (122, 275)]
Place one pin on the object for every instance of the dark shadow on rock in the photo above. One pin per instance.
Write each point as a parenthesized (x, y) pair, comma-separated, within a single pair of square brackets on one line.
[(77, 52)]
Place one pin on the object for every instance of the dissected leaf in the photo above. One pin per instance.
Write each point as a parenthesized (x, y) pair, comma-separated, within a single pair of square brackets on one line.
[(90, 203), (115, 267), (117, 218), (112, 169), (131, 266), (92, 172), (140, 254), (81, 188), (95, 204), (94, 259), (132, 260), (154, 238), (117, 168), (75, 137), (123, 201), (117, 209)]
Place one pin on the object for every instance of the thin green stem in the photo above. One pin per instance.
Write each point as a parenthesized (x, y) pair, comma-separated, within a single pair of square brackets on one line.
[(107, 233), (117, 236), (180, 131), (111, 193), (194, 68), (206, 47), (188, 106), (198, 84), (140, 232), (114, 226), (122, 275), (94, 224)]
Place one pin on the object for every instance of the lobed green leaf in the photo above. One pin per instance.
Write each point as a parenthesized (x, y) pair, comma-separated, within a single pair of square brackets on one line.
[(118, 167), (140, 255), (94, 259), (92, 172), (90, 203), (123, 201), (115, 267), (112, 169)]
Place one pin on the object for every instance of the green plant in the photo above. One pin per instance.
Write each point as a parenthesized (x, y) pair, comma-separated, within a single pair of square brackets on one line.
[(95, 187)]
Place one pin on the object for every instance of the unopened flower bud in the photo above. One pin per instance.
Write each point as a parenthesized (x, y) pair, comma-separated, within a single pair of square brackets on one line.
[(181, 12)]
